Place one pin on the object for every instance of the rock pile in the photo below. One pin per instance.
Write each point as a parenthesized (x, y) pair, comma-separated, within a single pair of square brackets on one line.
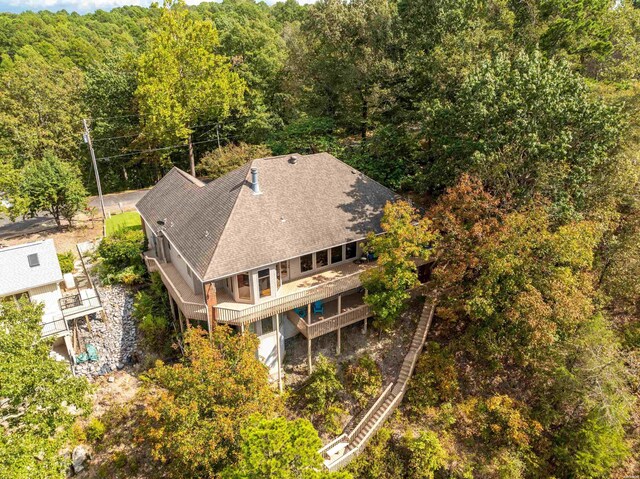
[(115, 338)]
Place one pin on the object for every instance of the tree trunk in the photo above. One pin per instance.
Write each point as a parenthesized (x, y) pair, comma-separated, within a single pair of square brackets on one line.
[(364, 115)]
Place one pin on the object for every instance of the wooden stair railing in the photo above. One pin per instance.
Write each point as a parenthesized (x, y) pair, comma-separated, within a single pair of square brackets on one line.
[(359, 436)]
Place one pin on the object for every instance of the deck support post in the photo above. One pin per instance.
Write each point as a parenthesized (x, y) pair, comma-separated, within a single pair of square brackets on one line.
[(278, 352), (338, 349), (365, 325), (339, 303), (309, 355)]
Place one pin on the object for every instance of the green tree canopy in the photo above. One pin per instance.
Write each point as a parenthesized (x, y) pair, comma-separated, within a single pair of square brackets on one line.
[(53, 186), (182, 77), (280, 449), (39, 397)]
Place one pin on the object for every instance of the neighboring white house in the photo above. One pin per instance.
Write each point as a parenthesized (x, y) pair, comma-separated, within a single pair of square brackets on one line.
[(32, 271), (273, 247)]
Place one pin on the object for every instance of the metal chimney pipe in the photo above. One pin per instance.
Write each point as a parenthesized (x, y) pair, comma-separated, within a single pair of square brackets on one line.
[(254, 181)]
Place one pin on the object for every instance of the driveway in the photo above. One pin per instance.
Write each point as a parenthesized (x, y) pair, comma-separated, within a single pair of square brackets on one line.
[(113, 203)]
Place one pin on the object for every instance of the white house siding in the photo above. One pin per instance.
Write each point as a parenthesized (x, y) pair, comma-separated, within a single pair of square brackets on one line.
[(288, 329), (49, 296), (182, 267), (267, 352)]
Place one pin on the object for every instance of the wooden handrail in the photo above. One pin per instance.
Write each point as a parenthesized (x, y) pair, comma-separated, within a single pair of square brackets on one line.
[(288, 302), (356, 430)]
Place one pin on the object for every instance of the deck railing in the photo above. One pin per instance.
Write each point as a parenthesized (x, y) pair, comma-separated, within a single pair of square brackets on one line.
[(338, 321), (190, 309), (288, 302)]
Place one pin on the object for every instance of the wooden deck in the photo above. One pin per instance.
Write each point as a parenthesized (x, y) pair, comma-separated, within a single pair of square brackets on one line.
[(192, 305), (293, 294)]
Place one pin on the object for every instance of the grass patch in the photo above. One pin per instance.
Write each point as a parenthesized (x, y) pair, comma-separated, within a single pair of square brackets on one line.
[(130, 220)]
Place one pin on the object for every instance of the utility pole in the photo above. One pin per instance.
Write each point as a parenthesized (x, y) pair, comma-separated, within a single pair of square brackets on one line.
[(218, 134), (192, 160), (87, 140)]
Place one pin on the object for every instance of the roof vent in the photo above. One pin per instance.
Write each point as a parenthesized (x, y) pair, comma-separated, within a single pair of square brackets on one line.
[(293, 160), (255, 186)]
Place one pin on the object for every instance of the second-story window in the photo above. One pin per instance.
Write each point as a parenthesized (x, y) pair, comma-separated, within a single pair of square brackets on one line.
[(351, 250), (244, 289), (306, 263), (264, 282), (336, 254), (322, 258)]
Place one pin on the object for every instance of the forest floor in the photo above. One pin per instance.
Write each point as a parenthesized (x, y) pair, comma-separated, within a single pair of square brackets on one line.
[(387, 349)]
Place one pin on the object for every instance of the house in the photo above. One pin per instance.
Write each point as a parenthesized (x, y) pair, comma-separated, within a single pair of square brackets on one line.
[(32, 271), (274, 247)]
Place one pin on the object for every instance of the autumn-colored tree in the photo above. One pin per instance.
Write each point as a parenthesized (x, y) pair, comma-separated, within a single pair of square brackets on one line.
[(406, 238), (194, 410)]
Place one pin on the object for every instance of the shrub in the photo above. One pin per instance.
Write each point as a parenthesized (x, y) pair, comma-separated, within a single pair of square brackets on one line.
[(67, 261), (151, 310), (436, 377), (363, 379), (321, 395), (380, 459), (120, 257), (95, 430), (223, 160), (426, 455)]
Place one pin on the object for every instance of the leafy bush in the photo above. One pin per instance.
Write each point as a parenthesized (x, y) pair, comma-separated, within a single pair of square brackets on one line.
[(306, 135), (151, 310), (95, 430), (380, 459), (67, 261), (436, 377), (426, 455), (321, 395), (363, 379), (223, 160), (120, 257)]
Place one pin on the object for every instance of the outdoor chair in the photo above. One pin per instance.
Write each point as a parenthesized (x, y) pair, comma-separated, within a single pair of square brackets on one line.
[(302, 312), (318, 307)]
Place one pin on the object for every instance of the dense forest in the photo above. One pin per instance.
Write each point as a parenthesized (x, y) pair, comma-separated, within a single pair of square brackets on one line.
[(514, 125)]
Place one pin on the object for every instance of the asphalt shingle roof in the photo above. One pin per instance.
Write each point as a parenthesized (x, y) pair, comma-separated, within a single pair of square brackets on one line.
[(222, 228)]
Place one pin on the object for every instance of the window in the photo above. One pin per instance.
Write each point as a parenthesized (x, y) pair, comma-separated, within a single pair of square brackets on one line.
[(33, 260), (336, 254), (267, 325), (351, 249), (283, 272), (253, 328), (244, 289), (322, 258), (264, 282), (306, 263)]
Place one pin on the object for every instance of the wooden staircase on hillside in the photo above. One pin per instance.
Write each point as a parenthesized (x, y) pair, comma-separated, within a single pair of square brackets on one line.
[(347, 446)]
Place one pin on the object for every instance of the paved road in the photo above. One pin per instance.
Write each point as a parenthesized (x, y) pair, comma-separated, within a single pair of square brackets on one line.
[(113, 203)]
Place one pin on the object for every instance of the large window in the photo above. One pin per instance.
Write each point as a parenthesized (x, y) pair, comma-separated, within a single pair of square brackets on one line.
[(322, 258), (336, 254), (244, 288), (264, 282), (306, 263), (351, 250)]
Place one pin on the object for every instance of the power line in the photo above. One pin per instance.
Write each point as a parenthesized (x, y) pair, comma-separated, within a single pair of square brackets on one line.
[(136, 134), (158, 149)]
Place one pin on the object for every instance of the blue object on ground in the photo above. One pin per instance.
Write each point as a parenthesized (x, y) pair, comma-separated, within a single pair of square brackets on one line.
[(92, 352)]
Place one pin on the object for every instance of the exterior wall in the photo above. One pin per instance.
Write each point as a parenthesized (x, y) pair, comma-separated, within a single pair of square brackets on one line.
[(49, 295), (183, 269), (267, 352), (288, 329)]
